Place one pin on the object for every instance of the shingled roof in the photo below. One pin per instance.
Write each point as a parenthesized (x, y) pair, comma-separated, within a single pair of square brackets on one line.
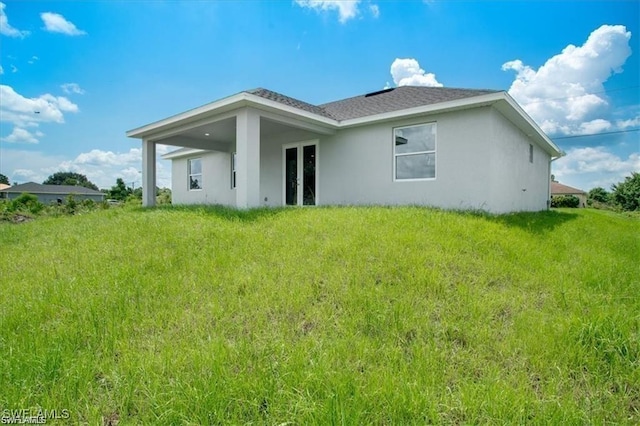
[(388, 100), (287, 100), (560, 189), (36, 188)]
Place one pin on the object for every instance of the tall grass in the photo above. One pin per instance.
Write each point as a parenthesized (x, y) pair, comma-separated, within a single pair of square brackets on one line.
[(322, 316)]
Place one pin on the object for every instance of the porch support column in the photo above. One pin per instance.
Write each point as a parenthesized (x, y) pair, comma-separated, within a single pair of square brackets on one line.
[(247, 159), (148, 173)]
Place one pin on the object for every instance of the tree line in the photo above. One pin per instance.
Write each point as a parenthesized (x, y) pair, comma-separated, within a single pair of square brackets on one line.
[(624, 195)]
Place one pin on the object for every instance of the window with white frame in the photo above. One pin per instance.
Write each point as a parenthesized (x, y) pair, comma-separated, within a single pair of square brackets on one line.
[(195, 173), (414, 152), (233, 170)]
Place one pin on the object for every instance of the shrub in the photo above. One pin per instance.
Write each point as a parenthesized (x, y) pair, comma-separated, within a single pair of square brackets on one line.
[(71, 205), (598, 196), (88, 204), (27, 202), (565, 201)]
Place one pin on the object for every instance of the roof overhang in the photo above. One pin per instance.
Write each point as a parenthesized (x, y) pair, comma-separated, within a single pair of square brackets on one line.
[(514, 112), (227, 105), (504, 103), (184, 152), (224, 108)]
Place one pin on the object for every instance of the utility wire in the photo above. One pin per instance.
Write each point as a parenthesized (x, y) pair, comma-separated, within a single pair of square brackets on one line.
[(597, 134), (620, 89)]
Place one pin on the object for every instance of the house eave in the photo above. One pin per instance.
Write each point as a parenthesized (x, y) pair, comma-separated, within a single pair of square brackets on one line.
[(529, 126), (231, 103), (438, 108), (500, 100), (181, 153)]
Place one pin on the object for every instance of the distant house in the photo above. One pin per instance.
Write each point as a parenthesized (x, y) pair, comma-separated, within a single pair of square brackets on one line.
[(558, 189), (48, 194), (432, 146)]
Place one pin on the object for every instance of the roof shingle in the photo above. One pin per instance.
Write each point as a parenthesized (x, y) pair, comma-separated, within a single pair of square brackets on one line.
[(36, 188), (287, 100), (558, 188), (394, 99)]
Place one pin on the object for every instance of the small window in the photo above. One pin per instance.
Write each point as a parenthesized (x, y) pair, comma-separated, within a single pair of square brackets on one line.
[(530, 153), (414, 152), (233, 170), (195, 174)]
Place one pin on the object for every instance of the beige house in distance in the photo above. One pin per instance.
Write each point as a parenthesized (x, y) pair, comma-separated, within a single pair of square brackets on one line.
[(558, 189)]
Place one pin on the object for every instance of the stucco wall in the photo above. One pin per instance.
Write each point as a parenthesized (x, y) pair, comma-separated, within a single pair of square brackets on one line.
[(271, 164), (357, 164), (216, 180), (516, 184), (482, 162)]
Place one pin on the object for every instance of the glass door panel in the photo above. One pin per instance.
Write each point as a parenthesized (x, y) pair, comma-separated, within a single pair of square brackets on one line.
[(291, 176), (309, 175)]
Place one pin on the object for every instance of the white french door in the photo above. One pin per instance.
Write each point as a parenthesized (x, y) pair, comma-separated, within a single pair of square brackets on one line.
[(300, 174)]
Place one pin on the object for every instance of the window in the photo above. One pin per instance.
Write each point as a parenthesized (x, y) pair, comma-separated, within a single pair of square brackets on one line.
[(195, 174), (233, 170), (530, 153), (414, 152)]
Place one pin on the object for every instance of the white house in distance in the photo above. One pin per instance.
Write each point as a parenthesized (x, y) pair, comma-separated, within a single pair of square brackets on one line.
[(442, 147)]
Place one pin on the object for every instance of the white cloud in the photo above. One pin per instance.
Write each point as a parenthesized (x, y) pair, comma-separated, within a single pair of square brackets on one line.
[(100, 167), (594, 126), (14, 69), (30, 112), (33, 60), (593, 167), (22, 111), (105, 167), (56, 23), (407, 72), (20, 135), (6, 29), (25, 175), (98, 157), (565, 94), (625, 124), (71, 88), (375, 10), (347, 9)]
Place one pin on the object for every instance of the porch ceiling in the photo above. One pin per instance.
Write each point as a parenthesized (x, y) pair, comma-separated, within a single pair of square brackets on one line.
[(219, 135)]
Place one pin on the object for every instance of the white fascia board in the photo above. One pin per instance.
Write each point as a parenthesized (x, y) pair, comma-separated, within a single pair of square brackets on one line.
[(178, 153), (225, 104), (440, 107), (228, 104)]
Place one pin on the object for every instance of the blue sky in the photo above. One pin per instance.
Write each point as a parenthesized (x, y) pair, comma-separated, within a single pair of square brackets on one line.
[(76, 76)]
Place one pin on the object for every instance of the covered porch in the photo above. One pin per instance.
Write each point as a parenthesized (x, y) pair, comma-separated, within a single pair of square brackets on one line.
[(259, 135)]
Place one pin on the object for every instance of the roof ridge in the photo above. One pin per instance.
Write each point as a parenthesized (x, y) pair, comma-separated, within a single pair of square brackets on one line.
[(384, 91), (291, 101)]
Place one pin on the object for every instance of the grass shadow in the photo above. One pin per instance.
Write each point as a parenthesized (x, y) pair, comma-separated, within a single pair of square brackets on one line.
[(534, 222), (220, 211)]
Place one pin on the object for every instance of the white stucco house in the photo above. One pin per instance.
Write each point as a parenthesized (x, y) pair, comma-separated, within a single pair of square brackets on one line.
[(443, 147)]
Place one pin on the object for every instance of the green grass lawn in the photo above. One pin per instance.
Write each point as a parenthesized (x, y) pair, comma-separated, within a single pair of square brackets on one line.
[(322, 316)]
